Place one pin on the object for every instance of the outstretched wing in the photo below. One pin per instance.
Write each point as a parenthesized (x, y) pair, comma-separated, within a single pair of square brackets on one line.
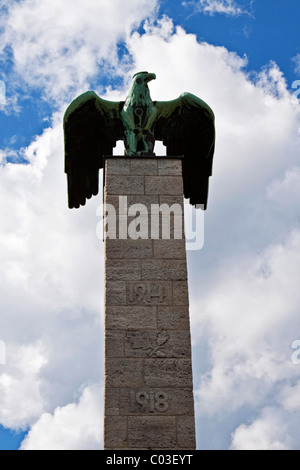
[(186, 126), (92, 127)]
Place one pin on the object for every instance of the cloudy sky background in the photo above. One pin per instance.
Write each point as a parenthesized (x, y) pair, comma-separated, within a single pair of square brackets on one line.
[(243, 59)]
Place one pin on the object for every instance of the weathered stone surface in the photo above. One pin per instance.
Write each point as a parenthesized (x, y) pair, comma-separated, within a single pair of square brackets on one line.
[(130, 317), (176, 317), (124, 373), (113, 439), (115, 293), (148, 374), (124, 185), (118, 166), (112, 401), (129, 249), (170, 200), (114, 343), (168, 372), (164, 270), (126, 204), (147, 200), (180, 293), (169, 185), (144, 166), (116, 270), (169, 249), (186, 432), (170, 167), (157, 431)]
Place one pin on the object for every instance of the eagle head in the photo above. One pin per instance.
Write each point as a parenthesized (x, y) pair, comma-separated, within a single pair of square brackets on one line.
[(143, 77)]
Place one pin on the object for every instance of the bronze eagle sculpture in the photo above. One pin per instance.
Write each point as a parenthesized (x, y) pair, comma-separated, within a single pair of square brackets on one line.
[(92, 127)]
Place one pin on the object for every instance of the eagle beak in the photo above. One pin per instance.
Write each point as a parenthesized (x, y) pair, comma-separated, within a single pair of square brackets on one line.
[(151, 76)]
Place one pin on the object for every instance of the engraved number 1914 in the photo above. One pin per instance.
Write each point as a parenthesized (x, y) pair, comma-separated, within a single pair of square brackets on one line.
[(146, 292)]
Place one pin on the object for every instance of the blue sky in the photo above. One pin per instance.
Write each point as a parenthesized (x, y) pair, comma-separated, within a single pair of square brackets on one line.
[(10, 440), (268, 30), (264, 31), (243, 58)]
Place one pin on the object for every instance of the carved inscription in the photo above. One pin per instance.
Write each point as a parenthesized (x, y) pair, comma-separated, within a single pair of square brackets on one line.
[(149, 293), (141, 340), (148, 402)]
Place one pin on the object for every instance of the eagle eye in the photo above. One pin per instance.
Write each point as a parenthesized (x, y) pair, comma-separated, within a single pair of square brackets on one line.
[(139, 81)]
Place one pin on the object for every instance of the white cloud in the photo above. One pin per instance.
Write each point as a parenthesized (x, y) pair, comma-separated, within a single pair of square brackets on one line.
[(272, 430), (272, 80), (290, 397), (76, 426), (22, 399), (57, 45), (212, 7), (37, 217), (243, 284), (2, 94), (51, 269), (296, 61), (276, 427), (249, 317), (285, 192)]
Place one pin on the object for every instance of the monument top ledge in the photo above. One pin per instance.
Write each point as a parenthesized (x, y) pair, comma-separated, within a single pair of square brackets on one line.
[(162, 157)]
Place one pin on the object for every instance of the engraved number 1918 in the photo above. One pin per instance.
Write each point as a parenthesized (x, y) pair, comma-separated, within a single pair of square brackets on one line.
[(149, 402)]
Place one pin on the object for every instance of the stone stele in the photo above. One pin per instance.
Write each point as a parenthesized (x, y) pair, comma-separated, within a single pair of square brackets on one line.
[(148, 370)]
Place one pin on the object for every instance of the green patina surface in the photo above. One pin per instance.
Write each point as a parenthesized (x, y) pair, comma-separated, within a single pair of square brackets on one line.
[(92, 127), (138, 116)]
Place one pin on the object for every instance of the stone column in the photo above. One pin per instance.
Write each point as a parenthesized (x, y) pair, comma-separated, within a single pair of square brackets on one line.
[(148, 371)]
